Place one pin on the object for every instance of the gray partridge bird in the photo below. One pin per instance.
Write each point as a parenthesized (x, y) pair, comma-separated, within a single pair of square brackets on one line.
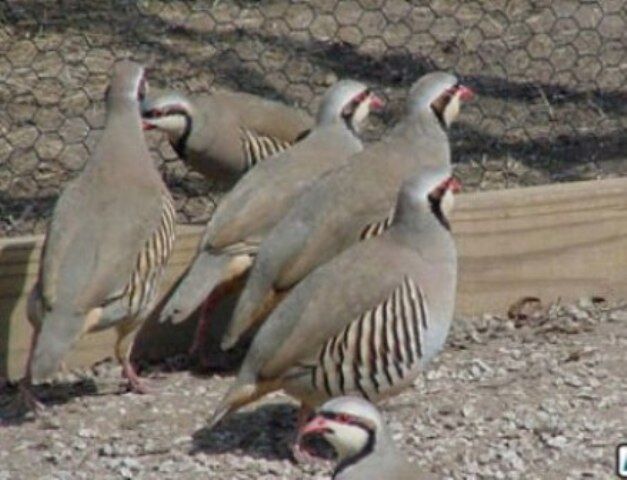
[(351, 203), (224, 134), (369, 320), (364, 447), (106, 247), (262, 196)]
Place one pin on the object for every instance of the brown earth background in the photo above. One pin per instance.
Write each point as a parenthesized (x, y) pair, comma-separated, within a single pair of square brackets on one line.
[(550, 75)]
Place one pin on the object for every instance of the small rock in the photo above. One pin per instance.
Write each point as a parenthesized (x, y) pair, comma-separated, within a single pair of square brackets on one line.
[(618, 316), (87, 433), (558, 442)]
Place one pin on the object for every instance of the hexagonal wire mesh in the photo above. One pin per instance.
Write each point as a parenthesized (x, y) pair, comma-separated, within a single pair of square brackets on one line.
[(551, 78)]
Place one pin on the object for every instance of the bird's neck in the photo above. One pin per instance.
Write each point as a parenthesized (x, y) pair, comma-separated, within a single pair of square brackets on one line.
[(426, 122), (123, 143), (424, 231), (376, 457), (122, 106), (423, 216), (353, 460)]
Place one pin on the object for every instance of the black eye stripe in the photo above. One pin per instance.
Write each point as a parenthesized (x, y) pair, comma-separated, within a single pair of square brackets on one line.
[(163, 111), (359, 98), (176, 110), (141, 89), (453, 90)]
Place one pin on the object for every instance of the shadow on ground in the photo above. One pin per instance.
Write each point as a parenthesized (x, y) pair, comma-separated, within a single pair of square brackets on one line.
[(13, 410), (267, 431)]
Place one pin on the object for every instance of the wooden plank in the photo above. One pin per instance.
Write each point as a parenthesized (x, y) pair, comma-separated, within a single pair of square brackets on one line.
[(557, 241)]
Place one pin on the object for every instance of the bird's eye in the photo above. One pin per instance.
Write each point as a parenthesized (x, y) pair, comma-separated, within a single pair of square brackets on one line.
[(154, 113), (452, 91), (364, 94), (361, 97), (343, 418)]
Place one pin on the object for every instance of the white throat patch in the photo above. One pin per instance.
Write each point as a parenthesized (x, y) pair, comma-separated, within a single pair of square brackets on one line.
[(347, 440), (360, 114), (172, 125), (451, 111)]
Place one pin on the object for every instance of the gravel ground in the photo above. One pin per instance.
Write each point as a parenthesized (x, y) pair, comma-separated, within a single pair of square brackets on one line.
[(540, 396)]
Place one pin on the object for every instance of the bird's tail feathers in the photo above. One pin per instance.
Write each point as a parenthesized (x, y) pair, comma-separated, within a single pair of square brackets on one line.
[(240, 394), (204, 274)]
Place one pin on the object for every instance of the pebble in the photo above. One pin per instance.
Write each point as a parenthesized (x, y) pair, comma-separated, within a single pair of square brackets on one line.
[(87, 433), (618, 316), (558, 442), (497, 403)]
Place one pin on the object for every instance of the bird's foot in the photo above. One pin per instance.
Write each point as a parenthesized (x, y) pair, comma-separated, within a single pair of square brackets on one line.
[(135, 383), (28, 397)]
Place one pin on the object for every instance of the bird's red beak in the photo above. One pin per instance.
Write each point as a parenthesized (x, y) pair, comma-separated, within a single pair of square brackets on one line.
[(465, 93), (454, 185), (376, 103), (316, 425), (147, 126)]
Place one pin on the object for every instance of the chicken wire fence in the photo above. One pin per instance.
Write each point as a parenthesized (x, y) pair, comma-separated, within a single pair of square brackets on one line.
[(550, 76)]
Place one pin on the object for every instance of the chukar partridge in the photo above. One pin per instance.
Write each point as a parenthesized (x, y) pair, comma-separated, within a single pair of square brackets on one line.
[(263, 195), (364, 447), (369, 320), (350, 203), (111, 234), (224, 134)]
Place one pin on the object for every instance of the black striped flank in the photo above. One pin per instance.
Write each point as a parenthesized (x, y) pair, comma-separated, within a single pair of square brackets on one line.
[(259, 147), (142, 288), (378, 350), (376, 228)]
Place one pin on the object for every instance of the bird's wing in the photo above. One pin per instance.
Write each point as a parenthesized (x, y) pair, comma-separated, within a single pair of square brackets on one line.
[(328, 302), (93, 242)]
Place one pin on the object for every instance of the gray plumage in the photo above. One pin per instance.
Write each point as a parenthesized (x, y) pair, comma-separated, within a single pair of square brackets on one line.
[(363, 444), (264, 194), (350, 203), (366, 322), (224, 134), (110, 236)]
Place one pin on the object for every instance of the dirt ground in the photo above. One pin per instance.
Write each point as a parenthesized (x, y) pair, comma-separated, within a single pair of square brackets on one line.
[(538, 397)]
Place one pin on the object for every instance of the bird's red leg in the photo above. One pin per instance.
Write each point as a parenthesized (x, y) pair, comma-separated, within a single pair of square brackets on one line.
[(204, 317), (135, 382), (213, 359), (123, 347)]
